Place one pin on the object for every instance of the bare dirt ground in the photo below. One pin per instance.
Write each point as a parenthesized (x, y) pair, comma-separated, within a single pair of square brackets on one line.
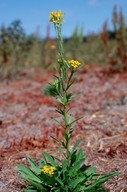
[(26, 123)]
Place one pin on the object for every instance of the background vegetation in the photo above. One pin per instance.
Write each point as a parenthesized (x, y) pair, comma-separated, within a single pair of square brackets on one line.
[(21, 51)]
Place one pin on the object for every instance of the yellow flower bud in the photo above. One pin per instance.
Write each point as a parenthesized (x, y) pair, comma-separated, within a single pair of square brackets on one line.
[(74, 63), (48, 169), (56, 17)]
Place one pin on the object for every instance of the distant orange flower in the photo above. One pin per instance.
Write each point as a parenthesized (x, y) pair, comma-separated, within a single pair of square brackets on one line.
[(52, 47)]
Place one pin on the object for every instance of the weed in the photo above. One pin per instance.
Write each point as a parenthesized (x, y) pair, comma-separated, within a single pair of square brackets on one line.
[(69, 174)]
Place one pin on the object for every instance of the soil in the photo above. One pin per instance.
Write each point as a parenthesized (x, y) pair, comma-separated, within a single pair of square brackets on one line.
[(26, 123)]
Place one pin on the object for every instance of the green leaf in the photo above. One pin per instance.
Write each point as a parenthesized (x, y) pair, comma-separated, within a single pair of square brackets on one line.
[(58, 122), (68, 121), (54, 138), (68, 97), (60, 111), (64, 167), (80, 156), (84, 167), (50, 158), (75, 146), (57, 85), (72, 97), (102, 180), (34, 166), (59, 181), (73, 158), (44, 158), (63, 144), (75, 182), (42, 163), (56, 190), (28, 173), (36, 185), (30, 190), (71, 131), (50, 90), (75, 168), (76, 120), (93, 189), (67, 137), (91, 171), (69, 85), (60, 101)]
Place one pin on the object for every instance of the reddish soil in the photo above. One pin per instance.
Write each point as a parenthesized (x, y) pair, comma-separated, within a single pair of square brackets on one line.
[(26, 123)]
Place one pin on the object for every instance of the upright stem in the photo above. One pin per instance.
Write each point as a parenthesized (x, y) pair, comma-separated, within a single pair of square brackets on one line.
[(60, 42), (66, 135), (64, 86), (63, 70)]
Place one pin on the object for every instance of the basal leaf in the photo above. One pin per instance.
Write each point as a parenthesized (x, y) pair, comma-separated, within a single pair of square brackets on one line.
[(91, 171), (34, 166), (75, 182), (28, 173), (102, 180), (36, 185), (59, 181), (51, 159)]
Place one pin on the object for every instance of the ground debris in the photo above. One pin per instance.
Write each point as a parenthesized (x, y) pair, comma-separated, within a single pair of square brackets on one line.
[(26, 124)]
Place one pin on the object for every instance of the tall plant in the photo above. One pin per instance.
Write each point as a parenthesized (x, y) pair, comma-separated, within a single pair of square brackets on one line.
[(69, 174), (116, 51)]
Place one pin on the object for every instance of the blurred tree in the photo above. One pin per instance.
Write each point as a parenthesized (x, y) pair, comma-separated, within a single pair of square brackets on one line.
[(115, 19), (5, 45), (16, 32)]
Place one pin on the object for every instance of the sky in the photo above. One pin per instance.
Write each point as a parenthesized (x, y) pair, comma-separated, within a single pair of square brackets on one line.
[(34, 14)]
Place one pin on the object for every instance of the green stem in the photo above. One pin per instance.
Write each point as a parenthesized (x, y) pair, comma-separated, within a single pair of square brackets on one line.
[(65, 82), (60, 42), (62, 66), (69, 79), (67, 140)]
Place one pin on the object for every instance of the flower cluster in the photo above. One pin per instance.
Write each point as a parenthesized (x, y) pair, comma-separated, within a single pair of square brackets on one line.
[(48, 169), (74, 63), (56, 17)]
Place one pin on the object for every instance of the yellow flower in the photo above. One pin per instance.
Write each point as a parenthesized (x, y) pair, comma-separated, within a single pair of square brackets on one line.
[(48, 169), (74, 63), (56, 17)]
